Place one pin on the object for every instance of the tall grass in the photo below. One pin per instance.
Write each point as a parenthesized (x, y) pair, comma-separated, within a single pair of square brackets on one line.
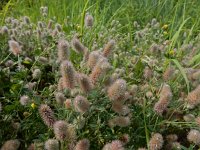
[(171, 12)]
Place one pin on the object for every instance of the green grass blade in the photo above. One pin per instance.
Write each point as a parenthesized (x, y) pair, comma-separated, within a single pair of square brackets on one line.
[(83, 17), (178, 65), (176, 35), (195, 59), (5, 10)]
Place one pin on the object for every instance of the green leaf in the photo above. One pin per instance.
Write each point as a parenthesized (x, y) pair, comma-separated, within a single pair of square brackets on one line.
[(10, 108), (26, 62)]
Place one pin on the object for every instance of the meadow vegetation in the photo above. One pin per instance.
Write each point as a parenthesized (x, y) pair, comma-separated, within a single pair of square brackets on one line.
[(99, 75)]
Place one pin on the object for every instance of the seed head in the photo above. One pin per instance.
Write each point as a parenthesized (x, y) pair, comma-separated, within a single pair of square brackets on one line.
[(108, 48), (9, 63), (193, 98), (61, 130), (40, 25), (113, 78), (135, 24), (26, 20), (83, 144), (36, 74), (47, 115), (165, 98), (58, 27), (117, 145), (195, 83), (120, 71), (14, 47), (8, 20), (30, 85), (172, 138), (173, 145), (197, 120), (119, 108), (39, 33), (125, 138), (196, 75), (133, 89), (24, 100), (194, 136), (27, 33), (117, 89), (85, 83), (141, 148), (13, 32), (71, 146), (71, 133), (74, 92), (28, 59), (88, 20), (86, 55), (154, 48), (51, 144), (42, 59), (149, 94), (161, 105), (44, 11), (93, 59), (4, 30), (60, 84), (54, 33), (114, 145), (81, 104), (68, 74), (154, 22), (166, 92), (50, 23), (68, 103), (31, 147), (63, 50), (119, 121), (168, 73), (189, 117), (11, 145), (60, 98), (148, 73), (15, 22), (99, 70), (156, 142), (77, 45)]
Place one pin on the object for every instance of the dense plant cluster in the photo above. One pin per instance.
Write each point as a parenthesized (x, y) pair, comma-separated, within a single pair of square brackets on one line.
[(59, 91)]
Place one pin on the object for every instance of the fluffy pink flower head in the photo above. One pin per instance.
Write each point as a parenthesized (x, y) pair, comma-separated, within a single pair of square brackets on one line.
[(14, 47)]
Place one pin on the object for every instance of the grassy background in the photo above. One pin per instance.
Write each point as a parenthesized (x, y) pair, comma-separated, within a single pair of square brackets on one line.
[(172, 12)]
